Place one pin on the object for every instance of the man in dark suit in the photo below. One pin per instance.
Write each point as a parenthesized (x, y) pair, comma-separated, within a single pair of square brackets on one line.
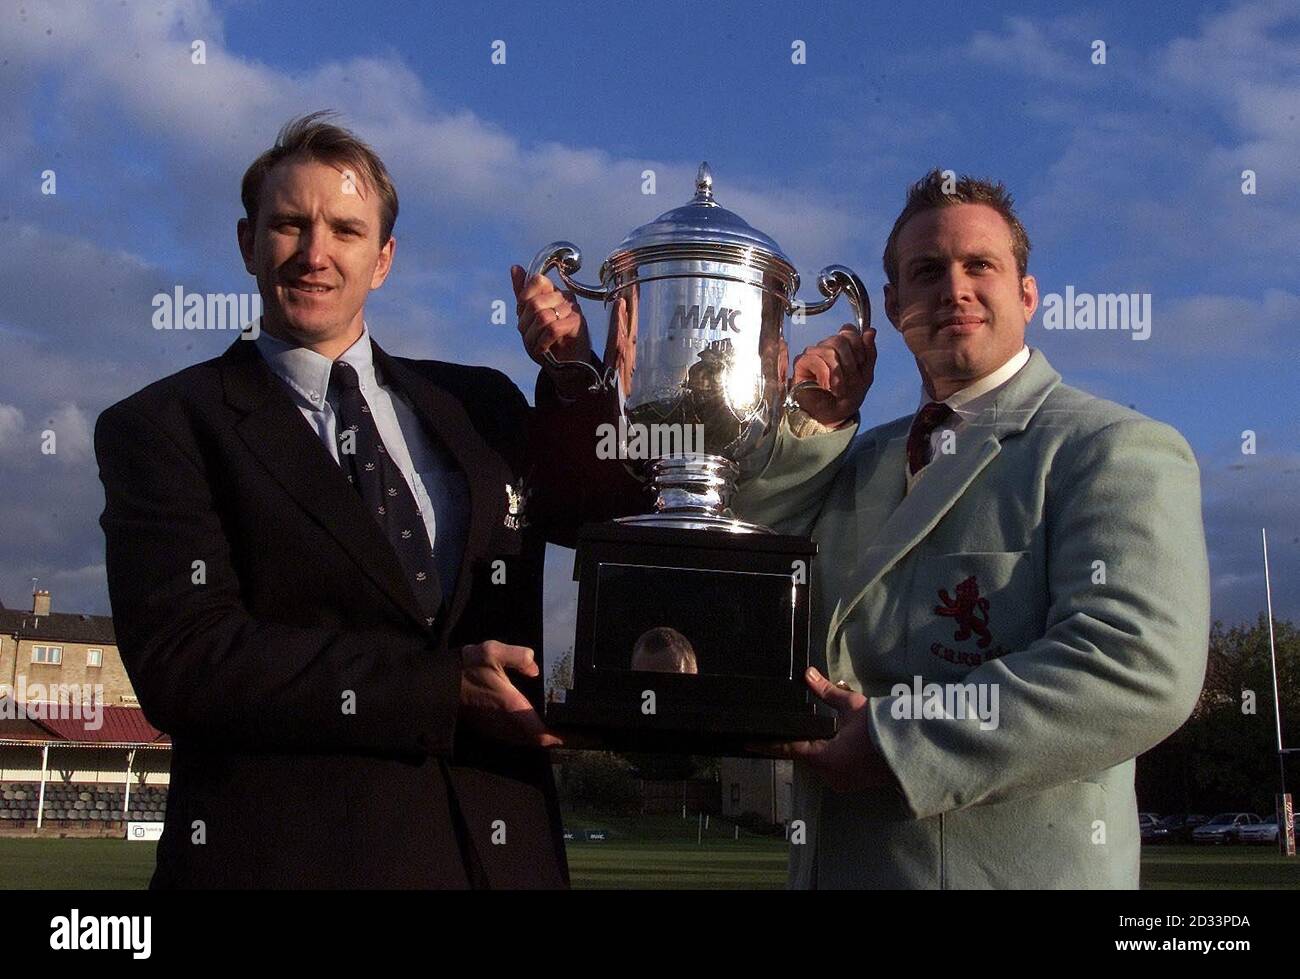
[(321, 566)]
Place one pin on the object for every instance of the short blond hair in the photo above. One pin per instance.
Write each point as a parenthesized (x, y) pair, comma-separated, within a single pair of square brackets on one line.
[(311, 137)]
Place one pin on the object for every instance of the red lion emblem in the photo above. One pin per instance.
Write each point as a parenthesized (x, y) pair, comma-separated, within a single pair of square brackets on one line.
[(967, 608)]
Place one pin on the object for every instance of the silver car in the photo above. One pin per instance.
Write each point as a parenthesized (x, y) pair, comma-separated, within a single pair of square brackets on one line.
[(1225, 827), (1263, 832)]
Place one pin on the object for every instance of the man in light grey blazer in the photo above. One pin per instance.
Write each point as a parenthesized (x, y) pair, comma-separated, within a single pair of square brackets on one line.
[(1011, 596)]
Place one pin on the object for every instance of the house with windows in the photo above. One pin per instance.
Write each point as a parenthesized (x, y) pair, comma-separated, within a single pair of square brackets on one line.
[(44, 650)]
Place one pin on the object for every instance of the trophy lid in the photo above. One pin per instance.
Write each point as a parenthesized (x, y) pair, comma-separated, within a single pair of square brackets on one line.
[(703, 222)]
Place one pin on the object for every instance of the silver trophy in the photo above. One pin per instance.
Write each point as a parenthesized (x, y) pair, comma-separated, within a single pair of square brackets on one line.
[(698, 359)]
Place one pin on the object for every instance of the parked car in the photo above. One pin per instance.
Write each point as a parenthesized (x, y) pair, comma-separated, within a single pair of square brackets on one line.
[(1176, 829), (1148, 823), (1226, 827), (1263, 833)]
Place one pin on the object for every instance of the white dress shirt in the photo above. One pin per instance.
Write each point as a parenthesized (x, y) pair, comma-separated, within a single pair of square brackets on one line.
[(968, 403), (440, 489)]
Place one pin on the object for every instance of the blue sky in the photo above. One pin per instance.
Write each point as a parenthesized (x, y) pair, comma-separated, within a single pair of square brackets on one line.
[(1128, 177)]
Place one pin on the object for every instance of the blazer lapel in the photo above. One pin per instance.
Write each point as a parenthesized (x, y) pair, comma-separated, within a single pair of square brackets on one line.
[(487, 476), (875, 495), (275, 432), (945, 480)]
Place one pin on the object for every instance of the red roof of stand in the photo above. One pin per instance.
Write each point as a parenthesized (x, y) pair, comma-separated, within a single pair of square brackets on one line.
[(121, 725)]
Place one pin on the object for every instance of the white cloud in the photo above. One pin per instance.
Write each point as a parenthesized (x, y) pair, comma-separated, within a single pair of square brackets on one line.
[(11, 428), (66, 430), (213, 119), (1242, 494), (560, 608), (1056, 50), (73, 434), (1190, 331), (71, 587), (63, 289)]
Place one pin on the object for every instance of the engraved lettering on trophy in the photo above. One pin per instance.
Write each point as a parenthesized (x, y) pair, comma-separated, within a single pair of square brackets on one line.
[(711, 318)]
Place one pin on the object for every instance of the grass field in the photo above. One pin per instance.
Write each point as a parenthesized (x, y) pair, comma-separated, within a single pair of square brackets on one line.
[(647, 853)]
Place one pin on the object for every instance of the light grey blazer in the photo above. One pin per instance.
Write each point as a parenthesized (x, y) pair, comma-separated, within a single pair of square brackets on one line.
[(1057, 557)]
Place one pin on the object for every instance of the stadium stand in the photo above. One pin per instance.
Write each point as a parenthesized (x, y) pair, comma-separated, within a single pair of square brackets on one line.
[(72, 804), (85, 772)]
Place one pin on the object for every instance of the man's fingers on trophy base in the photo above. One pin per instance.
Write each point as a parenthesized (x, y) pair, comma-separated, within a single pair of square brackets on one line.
[(518, 658), (576, 741), (837, 695), (530, 730)]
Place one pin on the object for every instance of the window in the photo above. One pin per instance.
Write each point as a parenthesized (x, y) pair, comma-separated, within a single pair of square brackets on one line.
[(94, 657), (735, 793), (53, 655)]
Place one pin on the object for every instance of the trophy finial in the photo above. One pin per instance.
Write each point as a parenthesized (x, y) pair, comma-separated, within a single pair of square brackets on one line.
[(704, 184)]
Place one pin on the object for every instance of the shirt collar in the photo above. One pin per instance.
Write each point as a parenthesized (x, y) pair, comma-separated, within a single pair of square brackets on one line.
[(308, 373), (973, 398)]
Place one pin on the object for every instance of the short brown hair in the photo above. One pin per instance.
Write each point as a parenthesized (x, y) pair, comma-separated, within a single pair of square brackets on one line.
[(928, 193), (311, 137)]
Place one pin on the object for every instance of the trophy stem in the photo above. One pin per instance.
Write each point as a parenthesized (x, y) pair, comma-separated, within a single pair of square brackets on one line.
[(694, 492), (696, 483)]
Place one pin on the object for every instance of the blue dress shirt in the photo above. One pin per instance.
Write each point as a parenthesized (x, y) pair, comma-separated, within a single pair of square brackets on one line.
[(440, 489)]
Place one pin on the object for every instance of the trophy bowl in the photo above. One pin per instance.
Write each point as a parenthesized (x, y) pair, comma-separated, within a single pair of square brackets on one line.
[(696, 349)]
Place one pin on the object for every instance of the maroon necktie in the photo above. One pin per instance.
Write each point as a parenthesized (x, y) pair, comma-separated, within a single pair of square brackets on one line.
[(918, 439)]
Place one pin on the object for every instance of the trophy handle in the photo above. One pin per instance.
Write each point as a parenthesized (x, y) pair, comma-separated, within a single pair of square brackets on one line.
[(566, 259), (833, 281)]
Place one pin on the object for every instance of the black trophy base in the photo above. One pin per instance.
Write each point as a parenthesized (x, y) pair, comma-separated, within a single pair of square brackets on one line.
[(724, 734), (690, 641)]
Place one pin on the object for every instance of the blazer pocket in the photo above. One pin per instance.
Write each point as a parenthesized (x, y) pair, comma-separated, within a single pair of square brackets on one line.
[(968, 608)]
